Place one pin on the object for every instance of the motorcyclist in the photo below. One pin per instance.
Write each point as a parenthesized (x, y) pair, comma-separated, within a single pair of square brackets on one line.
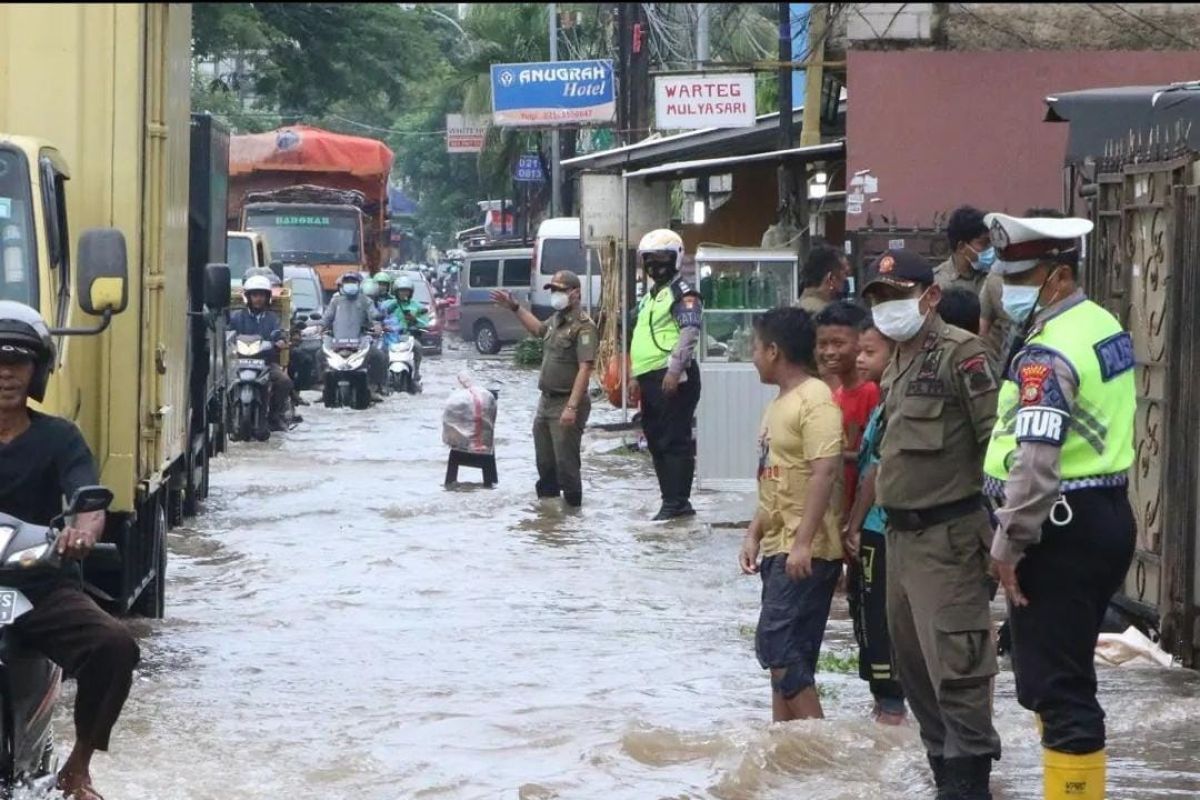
[(352, 315), (257, 319), (43, 460), (385, 301), (411, 316)]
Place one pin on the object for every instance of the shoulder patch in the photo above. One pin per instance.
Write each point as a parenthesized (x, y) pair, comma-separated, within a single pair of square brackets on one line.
[(1042, 424), (977, 374), (1115, 355), (1037, 382)]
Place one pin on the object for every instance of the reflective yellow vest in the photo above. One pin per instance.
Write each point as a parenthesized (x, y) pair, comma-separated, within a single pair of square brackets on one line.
[(656, 332), (1098, 446)]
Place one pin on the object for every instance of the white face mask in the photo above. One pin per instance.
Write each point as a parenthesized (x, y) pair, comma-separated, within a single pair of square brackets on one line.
[(899, 320), (560, 300)]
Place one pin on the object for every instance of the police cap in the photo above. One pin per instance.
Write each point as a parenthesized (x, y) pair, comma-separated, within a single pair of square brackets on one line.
[(1022, 242)]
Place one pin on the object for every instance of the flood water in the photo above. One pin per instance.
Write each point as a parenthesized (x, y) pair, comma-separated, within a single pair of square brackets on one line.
[(341, 626)]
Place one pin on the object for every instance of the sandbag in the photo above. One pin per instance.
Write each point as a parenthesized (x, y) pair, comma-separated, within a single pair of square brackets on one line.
[(469, 418)]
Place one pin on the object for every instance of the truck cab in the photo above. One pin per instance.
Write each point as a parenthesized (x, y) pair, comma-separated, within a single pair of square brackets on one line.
[(247, 250), (326, 237)]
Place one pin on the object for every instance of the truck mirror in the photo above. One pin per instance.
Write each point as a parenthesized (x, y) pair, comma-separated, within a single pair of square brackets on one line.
[(216, 286), (277, 268), (103, 271)]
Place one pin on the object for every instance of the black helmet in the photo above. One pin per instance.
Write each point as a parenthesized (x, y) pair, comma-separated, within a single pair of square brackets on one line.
[(22, 330)]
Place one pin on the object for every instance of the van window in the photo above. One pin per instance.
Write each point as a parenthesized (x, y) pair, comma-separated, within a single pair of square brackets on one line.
[(566, 254), (485, 273), (517, 272), (240, 254)]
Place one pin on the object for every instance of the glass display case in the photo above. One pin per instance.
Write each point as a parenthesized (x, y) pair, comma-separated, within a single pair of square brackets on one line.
[(738, 283)]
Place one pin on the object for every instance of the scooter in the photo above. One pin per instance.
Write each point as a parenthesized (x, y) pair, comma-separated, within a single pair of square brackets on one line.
[(305, 368), (346, 383), (402, 362), (249, 393), (29, 682)]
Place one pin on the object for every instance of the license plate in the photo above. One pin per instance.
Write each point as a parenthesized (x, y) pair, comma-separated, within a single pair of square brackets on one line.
[(252, 362), (8, 606)]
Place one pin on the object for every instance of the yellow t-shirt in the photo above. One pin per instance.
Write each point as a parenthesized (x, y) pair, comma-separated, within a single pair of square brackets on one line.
[(798, 428)]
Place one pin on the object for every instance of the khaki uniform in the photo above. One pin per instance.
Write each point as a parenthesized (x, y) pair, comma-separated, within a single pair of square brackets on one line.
[(569, 339), (988, 287), (939, 411)]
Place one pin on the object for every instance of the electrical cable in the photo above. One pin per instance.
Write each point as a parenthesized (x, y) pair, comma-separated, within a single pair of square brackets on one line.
[(1154, 26)]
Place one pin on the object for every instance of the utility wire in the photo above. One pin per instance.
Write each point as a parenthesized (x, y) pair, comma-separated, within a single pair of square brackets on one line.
[(1154, 26)]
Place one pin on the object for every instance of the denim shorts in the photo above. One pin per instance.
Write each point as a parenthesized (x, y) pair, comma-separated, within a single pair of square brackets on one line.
[(791, 625)]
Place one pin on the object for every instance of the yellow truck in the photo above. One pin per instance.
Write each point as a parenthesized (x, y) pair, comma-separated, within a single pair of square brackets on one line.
[(94, 138)]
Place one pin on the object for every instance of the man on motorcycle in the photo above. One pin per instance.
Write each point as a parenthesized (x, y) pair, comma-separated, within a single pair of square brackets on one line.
[(411, 316), (257, 319), (351, 315), (43, 460)]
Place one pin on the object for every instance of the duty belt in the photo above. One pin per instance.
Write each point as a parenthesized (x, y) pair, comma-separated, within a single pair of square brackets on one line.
[(906, 520)]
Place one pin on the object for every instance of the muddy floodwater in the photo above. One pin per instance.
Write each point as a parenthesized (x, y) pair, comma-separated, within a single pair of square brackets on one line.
[(341, 626)]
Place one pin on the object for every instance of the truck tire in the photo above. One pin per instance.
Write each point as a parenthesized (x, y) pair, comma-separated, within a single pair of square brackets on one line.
[(196, 486), (152, 601), (487, 341)]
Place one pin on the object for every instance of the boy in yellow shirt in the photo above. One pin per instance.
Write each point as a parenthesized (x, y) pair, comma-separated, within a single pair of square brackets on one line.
[(796, 528)]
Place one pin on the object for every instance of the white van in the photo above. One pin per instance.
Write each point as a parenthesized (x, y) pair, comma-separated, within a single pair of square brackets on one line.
[(559, 246)]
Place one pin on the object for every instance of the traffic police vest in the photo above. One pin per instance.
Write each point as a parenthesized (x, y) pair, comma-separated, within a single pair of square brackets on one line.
[(657, 331), (1096, 432)]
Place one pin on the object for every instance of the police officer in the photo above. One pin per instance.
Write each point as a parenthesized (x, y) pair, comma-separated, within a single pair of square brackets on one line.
[(569, 355), (970, 267), (664, 339), (1059, 461), (939, 408)]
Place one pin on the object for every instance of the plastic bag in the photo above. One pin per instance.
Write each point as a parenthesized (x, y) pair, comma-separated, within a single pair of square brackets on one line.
[(469, 419), (612, 383)]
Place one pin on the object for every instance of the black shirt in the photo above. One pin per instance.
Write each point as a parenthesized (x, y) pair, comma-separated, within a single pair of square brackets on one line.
[(42, 468)]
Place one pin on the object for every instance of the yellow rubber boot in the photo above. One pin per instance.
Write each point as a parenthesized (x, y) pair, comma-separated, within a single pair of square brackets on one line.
[(1073, 777)]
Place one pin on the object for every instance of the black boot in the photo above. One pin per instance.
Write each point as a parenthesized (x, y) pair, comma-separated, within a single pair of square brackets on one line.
[(938, 765), (572, 500), (547, 489), (967, 778), (662, 471), (677, 483), (687, 475)]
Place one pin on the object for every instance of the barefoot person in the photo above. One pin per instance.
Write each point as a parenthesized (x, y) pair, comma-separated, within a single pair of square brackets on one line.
[(796, 525)]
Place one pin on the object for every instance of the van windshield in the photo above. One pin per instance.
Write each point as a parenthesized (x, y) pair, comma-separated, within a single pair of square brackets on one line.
[(18, 245), (566, 254)]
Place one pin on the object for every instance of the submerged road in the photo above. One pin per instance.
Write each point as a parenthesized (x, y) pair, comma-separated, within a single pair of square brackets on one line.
[(341, 626)]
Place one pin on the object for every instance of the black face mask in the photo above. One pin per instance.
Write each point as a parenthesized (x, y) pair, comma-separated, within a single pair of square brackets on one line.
[(661, 273)]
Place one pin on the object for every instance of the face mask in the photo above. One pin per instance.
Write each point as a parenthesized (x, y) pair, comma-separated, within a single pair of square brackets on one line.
[(350, 289), (1021, 301), (560, 300), (661, 274), (899, 320), (983, 261)]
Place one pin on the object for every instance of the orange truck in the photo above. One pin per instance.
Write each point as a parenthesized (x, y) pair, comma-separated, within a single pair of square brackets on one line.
[(319, 198)]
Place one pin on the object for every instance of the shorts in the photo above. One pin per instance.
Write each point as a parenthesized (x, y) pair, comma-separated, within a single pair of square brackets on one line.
[(792, 622), (867, 595)]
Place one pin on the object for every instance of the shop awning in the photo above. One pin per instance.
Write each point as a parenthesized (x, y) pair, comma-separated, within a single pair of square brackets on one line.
[(715, 166), (1102, 118)]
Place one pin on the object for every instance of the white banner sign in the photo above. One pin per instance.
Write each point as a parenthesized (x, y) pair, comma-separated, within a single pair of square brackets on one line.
[(465, 134), (704, 101)]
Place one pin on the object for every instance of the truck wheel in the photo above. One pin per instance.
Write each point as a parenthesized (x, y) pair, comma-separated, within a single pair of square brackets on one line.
[(196, 488), (152, 601), (486, 339)]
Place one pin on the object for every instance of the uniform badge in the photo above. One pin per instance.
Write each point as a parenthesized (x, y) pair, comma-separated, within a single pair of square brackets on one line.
[(886, 265), (1032, 378), (585, 339), (978, 374), (689, 301)]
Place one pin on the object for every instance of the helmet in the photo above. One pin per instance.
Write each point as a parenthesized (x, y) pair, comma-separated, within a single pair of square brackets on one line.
[(256, 283), (661, 241), (404, 282), (370, 288), (23, 330), (349, 276), (384, 279)]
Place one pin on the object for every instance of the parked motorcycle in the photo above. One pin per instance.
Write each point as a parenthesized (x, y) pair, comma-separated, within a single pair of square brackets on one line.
[(30, 682), (250, 392), (346, 383)]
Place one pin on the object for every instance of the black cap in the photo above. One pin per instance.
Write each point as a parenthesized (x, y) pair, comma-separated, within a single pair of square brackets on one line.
[(900, 268)]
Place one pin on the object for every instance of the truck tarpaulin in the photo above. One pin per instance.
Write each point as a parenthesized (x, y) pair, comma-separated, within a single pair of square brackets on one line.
[(306, 149)]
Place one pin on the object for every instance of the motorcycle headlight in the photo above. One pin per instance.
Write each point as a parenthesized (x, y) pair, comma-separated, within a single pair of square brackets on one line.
[(247, 348), (29, 556)]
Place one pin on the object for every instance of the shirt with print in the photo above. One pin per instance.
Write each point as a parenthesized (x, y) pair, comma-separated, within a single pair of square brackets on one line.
[(868, 456), (798, 428), (856, 405)]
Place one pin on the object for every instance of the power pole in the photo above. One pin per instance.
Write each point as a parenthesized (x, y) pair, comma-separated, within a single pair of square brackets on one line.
[(555, 144), (701, 35), (814, 76), (623, 48)]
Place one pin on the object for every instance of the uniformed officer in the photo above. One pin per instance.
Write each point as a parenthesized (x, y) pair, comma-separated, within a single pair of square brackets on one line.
[(1059, 461), (939, 405), (664, 340), (569, 355), (969, 267)]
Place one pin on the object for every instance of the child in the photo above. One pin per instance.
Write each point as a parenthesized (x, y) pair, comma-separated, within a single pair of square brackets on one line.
[(866, 548), (796, 526), (837, 351)]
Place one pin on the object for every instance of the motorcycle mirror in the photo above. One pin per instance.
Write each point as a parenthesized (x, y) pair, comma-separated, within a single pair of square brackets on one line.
[(87, 499)]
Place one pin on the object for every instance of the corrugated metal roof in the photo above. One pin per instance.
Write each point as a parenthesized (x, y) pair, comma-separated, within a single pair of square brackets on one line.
[(709, 166)]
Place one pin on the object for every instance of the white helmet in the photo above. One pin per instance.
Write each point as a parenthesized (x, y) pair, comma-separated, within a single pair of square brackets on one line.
[(661, 241), (256, 283), (403, 282), (370, 288)]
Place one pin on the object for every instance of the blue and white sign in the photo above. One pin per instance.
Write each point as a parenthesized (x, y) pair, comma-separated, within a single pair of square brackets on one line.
[(553, 93), (529, 169)]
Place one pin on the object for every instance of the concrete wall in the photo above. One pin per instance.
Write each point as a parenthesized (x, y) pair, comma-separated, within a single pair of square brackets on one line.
[(938, 129)]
